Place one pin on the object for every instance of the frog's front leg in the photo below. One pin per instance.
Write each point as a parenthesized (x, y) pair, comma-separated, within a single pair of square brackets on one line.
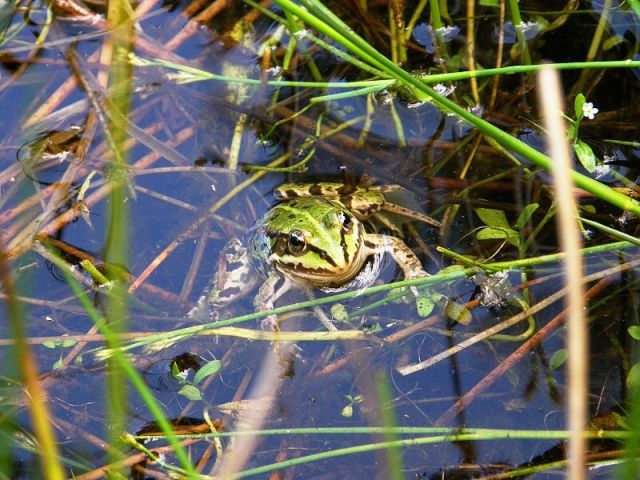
[(270, 291), (403, 256)]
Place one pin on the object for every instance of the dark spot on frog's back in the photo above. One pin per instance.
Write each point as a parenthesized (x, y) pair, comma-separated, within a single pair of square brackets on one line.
[(234, 266), (315, 189), (369, 244), (290, 194), (229, 292), (346, 190)]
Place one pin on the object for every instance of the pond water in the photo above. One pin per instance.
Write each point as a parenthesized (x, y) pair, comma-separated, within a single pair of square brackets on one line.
[(194, 181)]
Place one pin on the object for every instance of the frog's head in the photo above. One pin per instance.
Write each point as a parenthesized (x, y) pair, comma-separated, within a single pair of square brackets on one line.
[(312, 240)]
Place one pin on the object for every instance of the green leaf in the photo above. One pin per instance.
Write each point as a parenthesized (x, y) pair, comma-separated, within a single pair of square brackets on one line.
[(585, 155), (634, 331), (68, 342), (347, 412), (51, 344), (489, 3), (525, 215), (175, 371), (493, 218), (499, 234), (207, 369), (459, 313), (633, 379), (339, 312), (451, 269), (191, 392), (577, 105), (558, 358), (424, 305), (58, 364)]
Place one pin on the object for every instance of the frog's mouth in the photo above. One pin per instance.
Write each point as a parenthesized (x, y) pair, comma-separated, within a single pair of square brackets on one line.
[(363, 279), (359, 273)]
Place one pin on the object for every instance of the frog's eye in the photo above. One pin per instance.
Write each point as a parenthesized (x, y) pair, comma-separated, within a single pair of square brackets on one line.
[(345, 220), (297, 243)]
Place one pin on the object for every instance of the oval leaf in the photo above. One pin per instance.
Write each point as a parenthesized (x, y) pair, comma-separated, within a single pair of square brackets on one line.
[(499, 234), (634, 331), (493, 218), (585, 155), (191, 392), (525, 215), (207, 369), (424, 305), (558, 358), (633, 379), (577, 105), (347, 412)]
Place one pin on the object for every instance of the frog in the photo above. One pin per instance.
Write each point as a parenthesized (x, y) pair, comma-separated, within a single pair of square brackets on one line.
[(314, 237)]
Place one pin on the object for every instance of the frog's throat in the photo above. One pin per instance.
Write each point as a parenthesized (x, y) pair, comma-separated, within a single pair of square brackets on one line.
[(321, 277)]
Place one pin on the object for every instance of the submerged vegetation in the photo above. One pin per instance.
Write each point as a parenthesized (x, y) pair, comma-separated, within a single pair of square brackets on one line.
[(139, 138)]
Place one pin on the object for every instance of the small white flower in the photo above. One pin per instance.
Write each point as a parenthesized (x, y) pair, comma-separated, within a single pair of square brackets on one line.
[(443, 90), (589, 111), (448, 32), (528, 29), (415, 104), (477, 110), (601, 170)]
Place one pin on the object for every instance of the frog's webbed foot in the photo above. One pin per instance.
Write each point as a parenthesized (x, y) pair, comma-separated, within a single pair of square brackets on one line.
[(202, 312), (326, 321)]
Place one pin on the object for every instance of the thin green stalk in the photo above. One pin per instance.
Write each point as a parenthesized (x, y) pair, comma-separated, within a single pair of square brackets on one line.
[(349, 94), (371, 447), (436, 19), (514, 69), (527, 262), (394, 454), (612, 231), (437, 29), (193, 74), (479, 433), (117, 311), (516, 18)]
